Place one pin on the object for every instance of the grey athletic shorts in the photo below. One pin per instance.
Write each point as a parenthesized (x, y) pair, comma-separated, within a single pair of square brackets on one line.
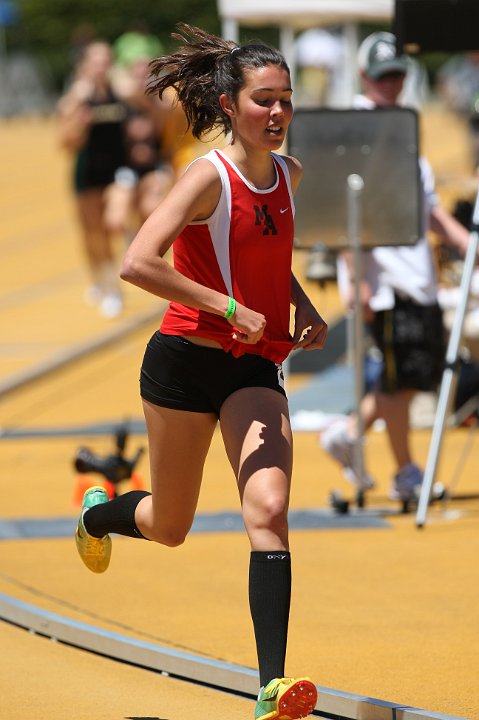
[(178, 374)]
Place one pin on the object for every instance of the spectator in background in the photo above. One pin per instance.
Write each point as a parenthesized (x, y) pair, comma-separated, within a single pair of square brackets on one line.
[(399, 292), (91, 120), (147, 174), (128, 48)]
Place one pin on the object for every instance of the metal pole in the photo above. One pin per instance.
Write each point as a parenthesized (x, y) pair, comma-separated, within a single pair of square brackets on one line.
[(449, 373), (349, 75), (355, 188), (286, 45), (230, 29)]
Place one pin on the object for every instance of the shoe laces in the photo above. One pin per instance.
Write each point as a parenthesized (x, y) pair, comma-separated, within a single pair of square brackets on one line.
[(273, 686)]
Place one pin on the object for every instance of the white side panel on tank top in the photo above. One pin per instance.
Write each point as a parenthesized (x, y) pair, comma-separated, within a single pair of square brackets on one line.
[(220, 221)]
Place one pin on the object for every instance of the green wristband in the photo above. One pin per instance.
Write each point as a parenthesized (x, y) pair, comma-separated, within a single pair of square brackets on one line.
[(231, 308)]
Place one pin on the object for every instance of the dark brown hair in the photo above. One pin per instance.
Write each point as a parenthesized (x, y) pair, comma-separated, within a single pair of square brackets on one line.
[(205, 67)]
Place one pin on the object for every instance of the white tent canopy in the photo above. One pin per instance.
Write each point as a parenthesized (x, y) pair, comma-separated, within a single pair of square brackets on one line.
[(300, 14)]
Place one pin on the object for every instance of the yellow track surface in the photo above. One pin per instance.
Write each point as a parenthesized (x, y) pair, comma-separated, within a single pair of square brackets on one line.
[(388, 613)]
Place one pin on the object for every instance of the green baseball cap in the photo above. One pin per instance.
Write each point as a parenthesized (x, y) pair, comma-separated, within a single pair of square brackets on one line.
[(132, 46)]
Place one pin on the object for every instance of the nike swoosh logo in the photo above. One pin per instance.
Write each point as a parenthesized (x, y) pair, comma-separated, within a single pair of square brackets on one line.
[(283, 210)]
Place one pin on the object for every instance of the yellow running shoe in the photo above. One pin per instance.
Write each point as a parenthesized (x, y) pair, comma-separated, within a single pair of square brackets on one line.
[(95, 552), (286, 699)]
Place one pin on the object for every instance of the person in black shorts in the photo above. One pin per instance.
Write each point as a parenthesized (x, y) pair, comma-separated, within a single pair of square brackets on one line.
[(399, 292), (91, 120), (218, 354), (147, 174)]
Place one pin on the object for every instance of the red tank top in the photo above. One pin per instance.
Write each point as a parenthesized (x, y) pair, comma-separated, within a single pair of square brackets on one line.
[(244, 250)]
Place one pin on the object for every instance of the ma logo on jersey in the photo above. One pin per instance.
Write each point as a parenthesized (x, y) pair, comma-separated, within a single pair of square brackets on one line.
[(264, 218)]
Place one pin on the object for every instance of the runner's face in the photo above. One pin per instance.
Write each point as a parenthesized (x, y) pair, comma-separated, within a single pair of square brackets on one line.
[(263, 110)]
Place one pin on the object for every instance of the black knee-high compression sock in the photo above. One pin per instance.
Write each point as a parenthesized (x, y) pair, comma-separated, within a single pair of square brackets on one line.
[(269, 598), (115, 516)]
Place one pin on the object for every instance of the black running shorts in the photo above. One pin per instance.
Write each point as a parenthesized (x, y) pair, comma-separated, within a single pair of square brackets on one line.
[(179, 374), (412, 340)]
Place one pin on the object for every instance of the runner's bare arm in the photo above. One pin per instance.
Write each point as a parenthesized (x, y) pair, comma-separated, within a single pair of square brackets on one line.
[(194, 197)]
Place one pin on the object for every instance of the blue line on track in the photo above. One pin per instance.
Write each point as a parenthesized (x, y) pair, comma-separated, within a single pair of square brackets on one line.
[(321, 519)]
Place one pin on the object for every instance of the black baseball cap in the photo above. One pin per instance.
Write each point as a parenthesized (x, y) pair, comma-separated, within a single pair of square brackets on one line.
[(377, 56)]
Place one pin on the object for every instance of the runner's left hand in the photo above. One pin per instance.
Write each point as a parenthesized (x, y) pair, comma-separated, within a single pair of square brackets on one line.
[(310, 330)]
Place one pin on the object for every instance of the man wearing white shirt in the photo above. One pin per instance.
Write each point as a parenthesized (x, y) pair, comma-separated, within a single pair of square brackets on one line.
[(399, 295)]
